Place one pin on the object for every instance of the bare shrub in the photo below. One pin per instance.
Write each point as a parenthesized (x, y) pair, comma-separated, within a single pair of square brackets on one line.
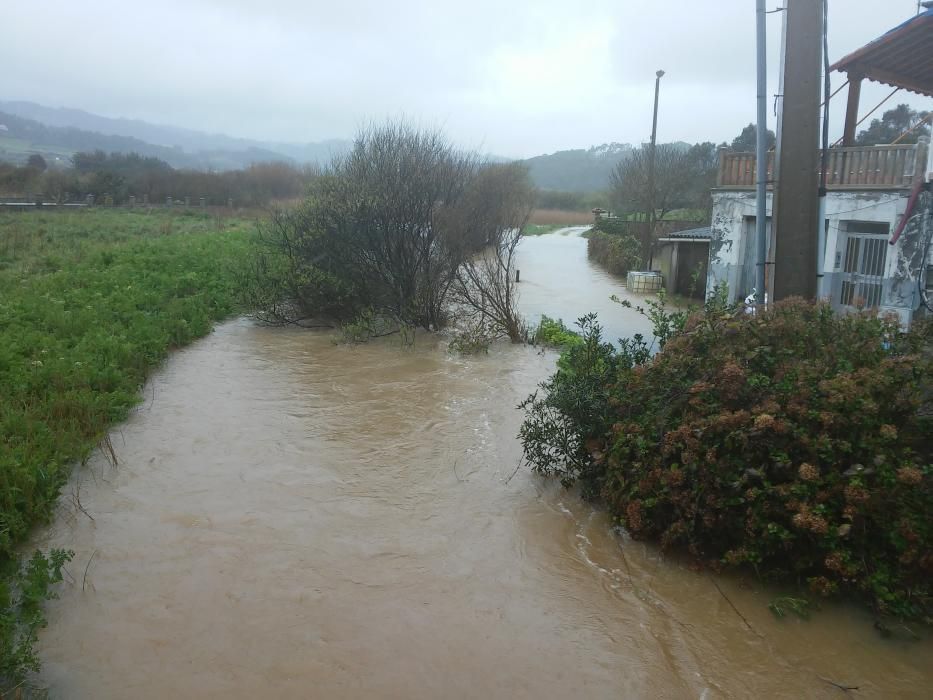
[(394, 226)]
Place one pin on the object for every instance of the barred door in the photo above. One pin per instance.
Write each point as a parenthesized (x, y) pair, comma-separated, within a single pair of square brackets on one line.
[(863, 270)]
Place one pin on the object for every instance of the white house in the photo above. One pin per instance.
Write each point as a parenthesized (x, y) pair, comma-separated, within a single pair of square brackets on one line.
[(879, 207)]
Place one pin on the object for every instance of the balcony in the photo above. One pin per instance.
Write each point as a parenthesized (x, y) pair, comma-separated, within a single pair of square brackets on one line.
[(849, 168)]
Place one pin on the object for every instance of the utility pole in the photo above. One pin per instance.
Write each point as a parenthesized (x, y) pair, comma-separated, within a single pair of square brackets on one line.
[(648, 243), (761, 153), (795, 209)]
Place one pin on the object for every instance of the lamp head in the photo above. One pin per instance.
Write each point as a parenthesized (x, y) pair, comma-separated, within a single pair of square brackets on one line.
[(660, 74)]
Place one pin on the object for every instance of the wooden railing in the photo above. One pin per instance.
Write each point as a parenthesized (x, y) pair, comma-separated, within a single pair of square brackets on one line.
[(855, 167)]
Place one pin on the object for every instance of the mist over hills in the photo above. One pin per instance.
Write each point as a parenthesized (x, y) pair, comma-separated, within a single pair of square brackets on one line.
[(58, 132), (62, 131)]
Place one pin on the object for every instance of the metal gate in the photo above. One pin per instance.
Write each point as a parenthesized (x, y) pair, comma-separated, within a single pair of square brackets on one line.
[(863, 270)]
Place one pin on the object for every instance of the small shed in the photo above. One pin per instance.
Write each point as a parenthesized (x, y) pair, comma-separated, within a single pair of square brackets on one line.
[(682, 260)]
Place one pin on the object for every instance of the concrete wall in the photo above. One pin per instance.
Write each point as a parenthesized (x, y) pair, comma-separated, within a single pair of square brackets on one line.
[(730, 246), (663, 261), (733, 231)]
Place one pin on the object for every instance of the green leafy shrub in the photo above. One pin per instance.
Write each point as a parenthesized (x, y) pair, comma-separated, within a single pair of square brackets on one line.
[(555, 334), (618, 253), (571, 411), (796, 442)]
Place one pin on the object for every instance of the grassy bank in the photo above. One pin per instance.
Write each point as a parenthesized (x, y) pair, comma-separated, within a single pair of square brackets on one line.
[(90, 302), (540, 229), (560, 217)]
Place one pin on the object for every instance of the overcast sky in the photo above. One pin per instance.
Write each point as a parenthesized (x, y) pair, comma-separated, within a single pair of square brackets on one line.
[(510, 77)]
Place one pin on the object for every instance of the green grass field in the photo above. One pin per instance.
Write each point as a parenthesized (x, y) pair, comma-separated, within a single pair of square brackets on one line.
[(91, 301), (18, 150)]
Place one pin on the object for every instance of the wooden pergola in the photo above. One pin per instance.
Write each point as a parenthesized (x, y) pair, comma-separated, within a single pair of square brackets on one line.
[(901, 58)]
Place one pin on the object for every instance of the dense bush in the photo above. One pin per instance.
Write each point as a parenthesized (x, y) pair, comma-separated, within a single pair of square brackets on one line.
[(555, 334), (617, 226), (618, 253), (796, 442)]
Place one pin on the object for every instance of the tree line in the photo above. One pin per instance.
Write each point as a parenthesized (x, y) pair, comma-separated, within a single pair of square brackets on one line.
[(119, 176)]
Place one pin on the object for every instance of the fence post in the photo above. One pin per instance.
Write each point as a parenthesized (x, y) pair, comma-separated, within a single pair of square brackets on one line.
[(203, 202), (923, 164)]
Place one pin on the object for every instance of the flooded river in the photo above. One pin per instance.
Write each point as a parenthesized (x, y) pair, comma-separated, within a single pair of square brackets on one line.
[(293, 519)]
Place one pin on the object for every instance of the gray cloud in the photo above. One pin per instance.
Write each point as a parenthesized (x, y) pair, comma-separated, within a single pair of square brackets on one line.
[(515, 78)]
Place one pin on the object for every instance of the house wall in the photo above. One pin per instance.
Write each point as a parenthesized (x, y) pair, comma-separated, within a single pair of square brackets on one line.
[(729, 243), (732, 232)]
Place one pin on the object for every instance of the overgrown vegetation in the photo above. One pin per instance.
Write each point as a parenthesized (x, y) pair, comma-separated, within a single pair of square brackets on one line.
[(555, 334), (21, 613), (90, 302), (795, 442), (617, 252)]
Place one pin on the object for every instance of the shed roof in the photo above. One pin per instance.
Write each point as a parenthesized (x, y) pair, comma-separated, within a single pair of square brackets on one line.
[(693, 233), (903, 57)]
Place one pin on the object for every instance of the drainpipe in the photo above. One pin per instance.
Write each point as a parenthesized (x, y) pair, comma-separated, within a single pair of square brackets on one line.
[(761, 152), (921, 179), (911, 203), (824, 162)]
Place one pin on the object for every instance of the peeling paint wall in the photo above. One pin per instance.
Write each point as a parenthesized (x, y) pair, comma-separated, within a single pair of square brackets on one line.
[(729, 241), (733, 231)]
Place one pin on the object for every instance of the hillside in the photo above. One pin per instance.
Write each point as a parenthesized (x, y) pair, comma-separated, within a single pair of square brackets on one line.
[(577, 170), (581, 169), (59, 132)]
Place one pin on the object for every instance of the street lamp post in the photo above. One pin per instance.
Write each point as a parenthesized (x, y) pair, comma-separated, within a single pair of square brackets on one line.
[(649, 219)]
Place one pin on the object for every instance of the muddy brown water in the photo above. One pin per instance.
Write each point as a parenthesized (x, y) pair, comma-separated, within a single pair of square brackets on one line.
[(293, 519)]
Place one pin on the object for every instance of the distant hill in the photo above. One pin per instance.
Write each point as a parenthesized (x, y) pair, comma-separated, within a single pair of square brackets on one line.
[(59, 132), (580, 170)]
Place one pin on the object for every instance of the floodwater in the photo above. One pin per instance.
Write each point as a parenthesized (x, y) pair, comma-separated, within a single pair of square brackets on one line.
[(293, 519), (558, 281)]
